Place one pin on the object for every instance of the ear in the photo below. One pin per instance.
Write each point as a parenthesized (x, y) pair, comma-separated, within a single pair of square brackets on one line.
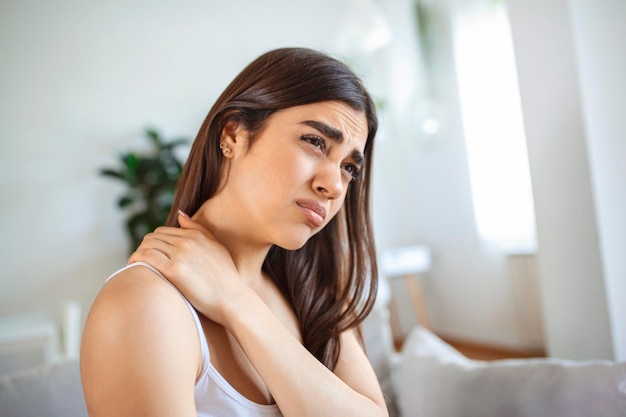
[(234, 137)]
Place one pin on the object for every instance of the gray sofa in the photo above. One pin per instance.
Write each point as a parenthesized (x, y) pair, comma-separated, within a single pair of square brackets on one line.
[(432, 379), (49, 390), (427, 379)]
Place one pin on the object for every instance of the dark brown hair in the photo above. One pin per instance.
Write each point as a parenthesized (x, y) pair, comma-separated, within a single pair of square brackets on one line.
[(331, 281)]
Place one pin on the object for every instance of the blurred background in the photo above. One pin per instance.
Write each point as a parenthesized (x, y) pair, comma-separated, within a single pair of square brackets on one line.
[(501, 158)]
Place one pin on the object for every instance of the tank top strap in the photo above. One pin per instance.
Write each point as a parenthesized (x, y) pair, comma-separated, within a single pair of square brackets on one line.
[(204, 346)]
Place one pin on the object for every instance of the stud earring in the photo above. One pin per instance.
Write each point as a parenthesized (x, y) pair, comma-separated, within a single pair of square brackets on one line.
[(224, 148)]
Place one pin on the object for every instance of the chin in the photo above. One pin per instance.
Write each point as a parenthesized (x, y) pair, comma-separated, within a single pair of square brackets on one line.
[(291, 245), (294, 241)]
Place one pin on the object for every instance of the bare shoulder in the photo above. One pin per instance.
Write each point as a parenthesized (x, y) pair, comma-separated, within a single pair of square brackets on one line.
[(138, 301), (137, 287), (139, 343)]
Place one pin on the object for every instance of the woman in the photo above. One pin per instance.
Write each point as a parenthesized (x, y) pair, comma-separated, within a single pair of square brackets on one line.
[(277, 258)]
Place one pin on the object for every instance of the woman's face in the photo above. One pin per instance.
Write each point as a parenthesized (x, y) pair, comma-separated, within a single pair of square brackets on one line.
[(293, 179)]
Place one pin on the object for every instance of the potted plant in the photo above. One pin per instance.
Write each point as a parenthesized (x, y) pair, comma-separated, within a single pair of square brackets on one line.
[(151, 178)]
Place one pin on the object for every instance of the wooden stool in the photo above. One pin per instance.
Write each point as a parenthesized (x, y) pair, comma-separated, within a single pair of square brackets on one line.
[(406, 264)]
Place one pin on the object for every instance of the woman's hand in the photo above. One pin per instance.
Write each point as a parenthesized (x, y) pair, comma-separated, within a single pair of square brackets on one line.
[(192, 259)]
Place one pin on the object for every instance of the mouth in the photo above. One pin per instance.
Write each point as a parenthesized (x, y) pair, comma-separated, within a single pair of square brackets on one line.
[(313, 211)]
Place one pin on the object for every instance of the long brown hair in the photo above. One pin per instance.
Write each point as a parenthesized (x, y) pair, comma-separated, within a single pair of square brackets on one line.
[(331, 281)]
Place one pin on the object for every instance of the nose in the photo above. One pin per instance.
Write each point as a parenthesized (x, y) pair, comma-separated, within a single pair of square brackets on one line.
[(328, 181)]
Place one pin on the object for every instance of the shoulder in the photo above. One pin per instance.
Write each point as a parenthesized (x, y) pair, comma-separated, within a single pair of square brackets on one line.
[(136, 305), (139, 337), (140, 298), (138, 287)]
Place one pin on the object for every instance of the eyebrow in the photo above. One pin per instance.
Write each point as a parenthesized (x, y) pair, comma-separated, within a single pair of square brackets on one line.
[(334, 134), (358, 158), (327, 130)]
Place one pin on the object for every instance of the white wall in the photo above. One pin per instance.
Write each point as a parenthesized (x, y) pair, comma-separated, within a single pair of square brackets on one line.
[(571, 70), (599, 32), (571, 86), (80, 79), (467, 292)]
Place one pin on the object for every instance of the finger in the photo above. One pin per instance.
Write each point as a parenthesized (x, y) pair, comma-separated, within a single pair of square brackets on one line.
[(187, 222), (162, 243), (169, 234), (150, 256), (157, 241), (168, 230)]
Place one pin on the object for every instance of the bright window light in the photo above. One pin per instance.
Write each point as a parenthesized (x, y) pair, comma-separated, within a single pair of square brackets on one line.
[(494, 130)]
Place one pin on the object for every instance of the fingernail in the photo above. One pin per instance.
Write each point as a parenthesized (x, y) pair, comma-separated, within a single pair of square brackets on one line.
[(182, 213)]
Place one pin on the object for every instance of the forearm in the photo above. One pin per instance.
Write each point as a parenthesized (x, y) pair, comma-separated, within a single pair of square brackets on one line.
[(300, 384)]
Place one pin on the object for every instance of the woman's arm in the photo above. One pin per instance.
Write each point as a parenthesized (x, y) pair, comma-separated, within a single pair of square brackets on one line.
[(140, 352), (300, 384)]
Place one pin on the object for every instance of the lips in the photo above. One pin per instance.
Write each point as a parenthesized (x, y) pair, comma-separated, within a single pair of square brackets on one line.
[(314, 212)]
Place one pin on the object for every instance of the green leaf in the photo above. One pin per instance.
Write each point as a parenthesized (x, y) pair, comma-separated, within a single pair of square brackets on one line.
[(131, 160), (154, 137), (130, 174), (107, 172), (151, 179), (125, 201)]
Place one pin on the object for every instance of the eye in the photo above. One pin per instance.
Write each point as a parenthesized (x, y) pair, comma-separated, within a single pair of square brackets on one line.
[(315, 141), (353, 170)]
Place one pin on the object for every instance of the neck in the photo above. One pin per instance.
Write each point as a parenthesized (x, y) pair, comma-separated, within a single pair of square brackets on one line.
[(248, 256)]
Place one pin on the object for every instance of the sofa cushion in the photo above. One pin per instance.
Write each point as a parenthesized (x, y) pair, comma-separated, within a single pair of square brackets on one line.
[(380, 351), (53, 390), (435, 380)]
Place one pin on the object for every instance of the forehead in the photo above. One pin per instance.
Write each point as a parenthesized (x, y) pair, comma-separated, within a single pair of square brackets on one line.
[(337, 114)]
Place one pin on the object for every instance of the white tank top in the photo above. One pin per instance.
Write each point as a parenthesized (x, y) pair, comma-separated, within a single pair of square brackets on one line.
[(214, 396)]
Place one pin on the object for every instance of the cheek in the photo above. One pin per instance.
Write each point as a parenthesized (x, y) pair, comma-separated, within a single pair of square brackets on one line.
[(295, 168), (278, 179), (336, 206)]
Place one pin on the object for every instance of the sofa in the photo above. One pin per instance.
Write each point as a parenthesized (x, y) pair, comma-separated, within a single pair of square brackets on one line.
[(433, 379), (428, 378), (52, 390)]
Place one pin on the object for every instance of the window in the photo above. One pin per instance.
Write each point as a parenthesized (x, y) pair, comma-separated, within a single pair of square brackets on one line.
[(494, 130)]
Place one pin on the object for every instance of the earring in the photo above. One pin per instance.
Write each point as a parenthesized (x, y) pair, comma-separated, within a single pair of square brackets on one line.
[(224, 148)]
